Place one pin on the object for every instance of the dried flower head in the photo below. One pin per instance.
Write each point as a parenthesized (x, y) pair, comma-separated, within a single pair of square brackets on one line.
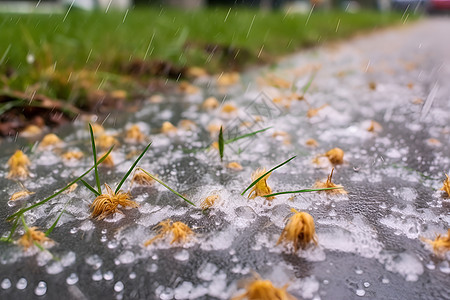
[(260, 289), (168, 128), (226, 79), (49, 140), (98, 129), (260, 188), (234, 166), (330, 184), (214, 129), (20, 195), (31, 236), (142, 179), (187, 125), (209, 201), (105, 141), (446, 186), (283, 136), (108, 161), (18, 165), (441, 244), (73, 155), (229, 108), (188, 88), (299, 230), (336, 156), (31, 130), (312, 112), (374, 127), (210, 103), (135, 135), (180, 232), (107, 204), (434, 142), (372, 85), (311, 143), (197, 72)]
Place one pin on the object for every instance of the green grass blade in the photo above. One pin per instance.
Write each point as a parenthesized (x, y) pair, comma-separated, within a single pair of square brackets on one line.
[(221, 144), (246, 135), (131, 169), (308, 84), (57, 220), (262, 176), (94, 153), (13, 229), (303, 191), (169, 188), (90, 187), (23, 210)]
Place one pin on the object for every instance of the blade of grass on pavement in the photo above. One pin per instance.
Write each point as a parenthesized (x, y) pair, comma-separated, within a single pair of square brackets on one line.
[(165, 185), (131, 168), (57, 220), (221, 144), (303, 191), (94, 153), (246, 135), (90, 187), (23, 210), (262, 176)]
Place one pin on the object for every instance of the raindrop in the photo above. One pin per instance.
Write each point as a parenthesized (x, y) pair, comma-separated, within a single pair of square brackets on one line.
[(21, 283), (358, 271), (73, 230), (245, 212), (104, 231), (41, 288), (444, 267), (126, 257), (103, 239), (366, 284), (72, 279), (118, 287), (97, 276), (6, 283), (132, 275), (112, 244), (182, 255), (109, 275), (360, 292), (385, 280)]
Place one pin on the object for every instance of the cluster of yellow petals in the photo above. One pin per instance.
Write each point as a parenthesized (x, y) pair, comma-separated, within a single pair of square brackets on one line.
[(180, 232), (261, 188), (107, 204), (264, 290), (18, 165), (31, 236), (299, 230), (441, 244), (329, 184)]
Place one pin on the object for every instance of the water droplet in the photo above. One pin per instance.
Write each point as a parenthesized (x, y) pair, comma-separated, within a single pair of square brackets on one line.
[(126, 257), (95, 261), (112, 244), (103, 239), (152, 268), (97, 276), (182, 255), (21, 283), (326, 282), (385, 280), (444, 267), (132, 275), (73, 230), (366, 284), (245, 212), (104, 231), (360, 292), (118, 287), (109, 275), (155, 257), (430, 265), (358, 271), (6, 283), (72, 279), (41, 288)]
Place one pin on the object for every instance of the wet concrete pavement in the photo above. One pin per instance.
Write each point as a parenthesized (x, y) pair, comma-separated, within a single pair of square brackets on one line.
[(369, 240)]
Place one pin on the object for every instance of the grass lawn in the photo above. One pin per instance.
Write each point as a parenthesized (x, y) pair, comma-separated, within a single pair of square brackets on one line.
[(67, 57)]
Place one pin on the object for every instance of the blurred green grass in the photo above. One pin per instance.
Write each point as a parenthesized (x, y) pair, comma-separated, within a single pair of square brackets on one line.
[(217, 39)]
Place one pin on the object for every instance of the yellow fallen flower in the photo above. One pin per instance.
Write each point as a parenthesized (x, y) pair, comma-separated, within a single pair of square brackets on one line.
[(330, 184), (135, 135), (105, 141), (20, 195), (49, 140), (300, 230), (441, 244), (142, 179), (335, 156), (260, 289), (32, 235), (209, 201), (18, 165), (210, 103), (261, 188), (179, 231), (234, 166), (168, 128), (446, 186), (107, 204)]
